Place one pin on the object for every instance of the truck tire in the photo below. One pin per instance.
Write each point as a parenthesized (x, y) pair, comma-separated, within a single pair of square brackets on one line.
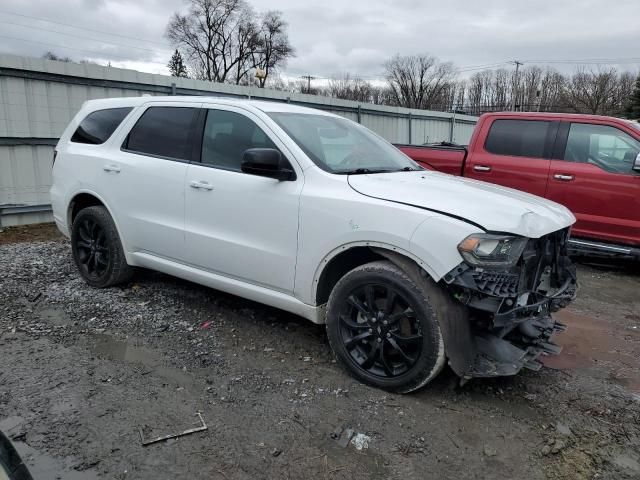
[(97, 249), (383, 329)]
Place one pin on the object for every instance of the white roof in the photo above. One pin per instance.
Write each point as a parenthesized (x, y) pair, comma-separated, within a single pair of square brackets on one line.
[(264, 106)]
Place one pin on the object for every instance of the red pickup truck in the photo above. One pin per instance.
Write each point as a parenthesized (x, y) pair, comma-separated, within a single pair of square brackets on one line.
[(588, 163)]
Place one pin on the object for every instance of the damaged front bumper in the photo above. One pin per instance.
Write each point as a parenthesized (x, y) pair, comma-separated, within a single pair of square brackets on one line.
[(508, 311)]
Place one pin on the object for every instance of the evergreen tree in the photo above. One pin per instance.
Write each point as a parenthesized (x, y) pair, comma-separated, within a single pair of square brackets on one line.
[(176, 65), (633, 107)]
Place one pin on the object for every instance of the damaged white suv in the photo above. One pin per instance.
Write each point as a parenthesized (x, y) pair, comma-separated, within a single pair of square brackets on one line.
[(314, 214)]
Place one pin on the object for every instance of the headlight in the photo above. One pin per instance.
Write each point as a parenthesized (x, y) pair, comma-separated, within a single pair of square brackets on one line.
[(486, 250)]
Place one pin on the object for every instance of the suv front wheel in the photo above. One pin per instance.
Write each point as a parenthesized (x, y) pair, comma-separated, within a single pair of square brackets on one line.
[(383, 329), (97, 249)]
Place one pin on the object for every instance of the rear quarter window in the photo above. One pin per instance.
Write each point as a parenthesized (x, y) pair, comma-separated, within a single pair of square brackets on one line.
[(518, 138), (98, 126)]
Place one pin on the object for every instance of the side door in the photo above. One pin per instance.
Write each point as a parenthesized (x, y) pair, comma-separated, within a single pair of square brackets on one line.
[(240, 225), (145, 178), (516, 153), (592, 174)]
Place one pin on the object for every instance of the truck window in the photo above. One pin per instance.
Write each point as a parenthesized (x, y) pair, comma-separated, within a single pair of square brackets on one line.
[(163, 132), (226, 137), (518, 138), (606, 147), (97, 127)]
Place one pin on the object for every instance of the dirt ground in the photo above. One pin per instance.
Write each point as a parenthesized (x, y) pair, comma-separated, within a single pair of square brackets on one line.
[(83, 371)]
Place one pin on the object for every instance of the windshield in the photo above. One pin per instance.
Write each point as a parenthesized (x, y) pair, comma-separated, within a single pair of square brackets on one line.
[(340, 146)]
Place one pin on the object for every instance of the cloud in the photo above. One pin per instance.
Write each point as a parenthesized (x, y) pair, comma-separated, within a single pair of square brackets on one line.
[(337, 36)]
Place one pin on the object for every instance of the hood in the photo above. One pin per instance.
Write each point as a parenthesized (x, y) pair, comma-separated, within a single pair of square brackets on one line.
[(492, 207)]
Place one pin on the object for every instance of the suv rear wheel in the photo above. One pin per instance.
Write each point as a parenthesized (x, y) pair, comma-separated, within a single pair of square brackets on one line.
[(383, 329), (97, 249)]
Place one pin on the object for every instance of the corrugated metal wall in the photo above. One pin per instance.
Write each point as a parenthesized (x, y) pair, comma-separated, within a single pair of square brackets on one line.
[(39, 97)]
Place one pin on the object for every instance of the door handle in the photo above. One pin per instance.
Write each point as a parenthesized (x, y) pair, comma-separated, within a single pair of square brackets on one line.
[(201, 185), (111, 168), (482, 168), (564, 178)]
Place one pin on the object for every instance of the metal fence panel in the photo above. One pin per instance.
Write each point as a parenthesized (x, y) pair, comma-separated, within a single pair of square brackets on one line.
[(39, 97)]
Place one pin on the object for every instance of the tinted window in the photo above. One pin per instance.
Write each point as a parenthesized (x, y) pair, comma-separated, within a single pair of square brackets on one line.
[(163, 131), (226, 137), (519, 138), (606, 147), (97, 127)]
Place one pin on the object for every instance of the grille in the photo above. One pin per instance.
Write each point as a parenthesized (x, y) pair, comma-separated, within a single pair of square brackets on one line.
[(498, 284)]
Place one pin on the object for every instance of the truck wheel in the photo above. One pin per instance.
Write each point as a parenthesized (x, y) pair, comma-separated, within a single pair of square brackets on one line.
[(97, 249), (383, 329)]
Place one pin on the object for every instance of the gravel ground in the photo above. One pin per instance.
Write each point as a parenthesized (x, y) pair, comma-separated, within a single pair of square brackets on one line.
[(82, 371)]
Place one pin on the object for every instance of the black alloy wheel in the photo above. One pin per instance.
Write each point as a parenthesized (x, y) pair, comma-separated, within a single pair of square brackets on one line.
[(383, 329), (92, 248), (380, 330), (97, 249)]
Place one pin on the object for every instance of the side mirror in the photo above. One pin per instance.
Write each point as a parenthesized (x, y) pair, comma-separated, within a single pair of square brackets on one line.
[(636, 163), (267, 162)]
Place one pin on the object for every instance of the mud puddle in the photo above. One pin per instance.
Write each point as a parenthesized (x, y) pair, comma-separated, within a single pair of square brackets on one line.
[(589, 343), (130, 351)]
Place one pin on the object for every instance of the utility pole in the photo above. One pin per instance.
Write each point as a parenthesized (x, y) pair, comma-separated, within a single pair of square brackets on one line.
[(514, 95), (308, 78)]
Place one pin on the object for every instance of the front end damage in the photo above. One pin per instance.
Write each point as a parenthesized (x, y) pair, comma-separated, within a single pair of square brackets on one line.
[(508, 323)]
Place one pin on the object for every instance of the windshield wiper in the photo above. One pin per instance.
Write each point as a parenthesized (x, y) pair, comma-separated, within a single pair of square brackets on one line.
[(362, 171)]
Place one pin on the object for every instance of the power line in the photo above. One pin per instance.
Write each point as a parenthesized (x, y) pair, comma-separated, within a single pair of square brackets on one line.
[(588, 61), (47, 44), (84, 28), (79, 36)]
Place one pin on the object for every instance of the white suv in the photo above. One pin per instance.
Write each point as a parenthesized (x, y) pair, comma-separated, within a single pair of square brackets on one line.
[(314, 214)]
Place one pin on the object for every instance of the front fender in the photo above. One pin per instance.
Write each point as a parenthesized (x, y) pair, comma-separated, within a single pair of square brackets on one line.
[(435, 242)]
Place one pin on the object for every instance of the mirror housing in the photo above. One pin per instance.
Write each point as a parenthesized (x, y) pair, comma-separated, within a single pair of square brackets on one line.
[(267, 162), (636, 163)]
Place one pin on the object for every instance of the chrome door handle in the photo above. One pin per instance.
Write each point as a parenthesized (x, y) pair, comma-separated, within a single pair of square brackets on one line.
[(111, 168), (481, 168), (201, 185), (564, 178)]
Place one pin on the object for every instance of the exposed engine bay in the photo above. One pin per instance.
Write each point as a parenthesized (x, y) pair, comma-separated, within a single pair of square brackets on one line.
[(509, 309)]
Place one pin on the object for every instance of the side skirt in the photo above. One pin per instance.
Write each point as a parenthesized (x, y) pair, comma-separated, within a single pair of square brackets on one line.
[(229, 285)]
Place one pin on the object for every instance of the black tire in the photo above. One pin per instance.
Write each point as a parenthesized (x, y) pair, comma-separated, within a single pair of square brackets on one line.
[(97, 249), (410, 349)]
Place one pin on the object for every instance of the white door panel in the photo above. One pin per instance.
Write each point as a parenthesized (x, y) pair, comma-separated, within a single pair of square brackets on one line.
[(148, 194), (242, 226)]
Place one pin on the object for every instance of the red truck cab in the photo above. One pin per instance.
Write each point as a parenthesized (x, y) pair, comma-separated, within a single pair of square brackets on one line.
[(588, 163)]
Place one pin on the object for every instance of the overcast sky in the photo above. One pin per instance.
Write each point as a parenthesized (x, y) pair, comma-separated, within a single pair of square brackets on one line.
[(336, 36)]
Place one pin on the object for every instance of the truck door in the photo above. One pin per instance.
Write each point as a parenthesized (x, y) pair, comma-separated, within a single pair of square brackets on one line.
[(592, 174), (516, 154)]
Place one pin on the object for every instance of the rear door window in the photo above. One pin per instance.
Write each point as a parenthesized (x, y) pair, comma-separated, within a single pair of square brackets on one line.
[(98, 126), (518, 138), (164, 132)]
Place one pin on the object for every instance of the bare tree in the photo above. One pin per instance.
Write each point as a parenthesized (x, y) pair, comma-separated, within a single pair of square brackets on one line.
[(418, 81), (350, 88), (593, 92), (274, 48), (223, 41)]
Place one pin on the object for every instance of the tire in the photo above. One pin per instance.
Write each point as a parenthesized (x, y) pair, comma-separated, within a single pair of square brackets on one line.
[(97, 250), (410, 349)]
